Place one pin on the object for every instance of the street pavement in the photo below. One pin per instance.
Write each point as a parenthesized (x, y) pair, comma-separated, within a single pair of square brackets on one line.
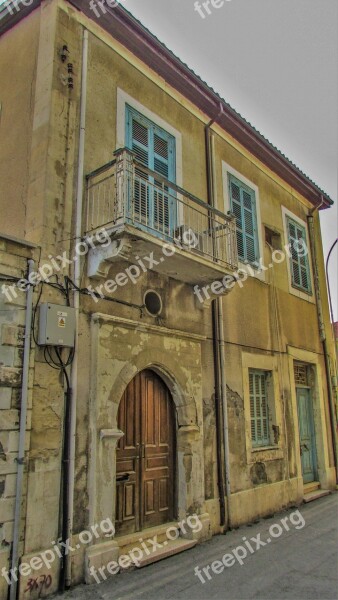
[(298, 564)]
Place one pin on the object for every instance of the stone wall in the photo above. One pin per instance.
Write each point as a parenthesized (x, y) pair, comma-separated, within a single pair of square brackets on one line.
[(13, 264)]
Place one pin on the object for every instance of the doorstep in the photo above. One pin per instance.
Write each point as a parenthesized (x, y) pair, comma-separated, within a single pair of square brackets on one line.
[(313, 486), (314, 495), (129, 541), (170, 548)]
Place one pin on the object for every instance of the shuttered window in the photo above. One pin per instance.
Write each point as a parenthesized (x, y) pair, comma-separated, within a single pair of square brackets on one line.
[(259, 409), (243, 205), (155, 149), (299, 260)]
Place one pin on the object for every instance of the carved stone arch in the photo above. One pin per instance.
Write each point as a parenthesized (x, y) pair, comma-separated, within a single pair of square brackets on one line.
[(185, 404)]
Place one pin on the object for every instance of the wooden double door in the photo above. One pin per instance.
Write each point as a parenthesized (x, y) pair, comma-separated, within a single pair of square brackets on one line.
[(145, 455)]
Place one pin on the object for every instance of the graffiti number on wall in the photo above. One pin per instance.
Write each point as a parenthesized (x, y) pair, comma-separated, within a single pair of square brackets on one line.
[(39, 583)]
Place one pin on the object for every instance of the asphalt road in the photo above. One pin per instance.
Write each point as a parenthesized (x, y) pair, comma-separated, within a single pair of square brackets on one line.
[(298, 564)]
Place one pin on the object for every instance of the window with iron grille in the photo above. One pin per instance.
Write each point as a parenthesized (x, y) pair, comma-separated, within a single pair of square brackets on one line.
[(299, 260), (300, 374), (243, 206), (259, 407)]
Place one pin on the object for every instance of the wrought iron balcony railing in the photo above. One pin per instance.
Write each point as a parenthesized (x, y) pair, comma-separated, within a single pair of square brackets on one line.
[(124, 193)]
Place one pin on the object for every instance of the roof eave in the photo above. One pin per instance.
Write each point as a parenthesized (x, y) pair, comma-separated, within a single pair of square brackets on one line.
[(142, 43), (10, 19)]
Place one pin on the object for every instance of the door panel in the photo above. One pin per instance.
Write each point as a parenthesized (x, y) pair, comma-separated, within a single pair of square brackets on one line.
[(128, 460), (157, 467), (145, 455), (306, 434)]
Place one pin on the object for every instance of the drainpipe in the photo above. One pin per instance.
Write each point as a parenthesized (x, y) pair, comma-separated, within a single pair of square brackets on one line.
[(322, 333), (22, 431), (76, 303), (224, 406), (219, 355), (218, 412)]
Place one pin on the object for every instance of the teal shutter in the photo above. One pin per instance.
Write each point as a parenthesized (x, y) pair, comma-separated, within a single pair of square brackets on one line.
[(243, 205), (258, 408), (154, 205), (300, 268), (162, 163), (138, 140)]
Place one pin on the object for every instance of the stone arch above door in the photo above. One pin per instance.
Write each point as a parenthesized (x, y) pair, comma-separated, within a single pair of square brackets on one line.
[(184, 400), (119, 352)]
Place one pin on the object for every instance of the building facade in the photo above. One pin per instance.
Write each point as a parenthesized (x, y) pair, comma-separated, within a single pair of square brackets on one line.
[(190, 249)]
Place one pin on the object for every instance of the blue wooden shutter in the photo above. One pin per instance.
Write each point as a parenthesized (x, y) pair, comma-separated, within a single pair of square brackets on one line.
[(300, 269), (258, 408), (138, 140), (236, 207), (161, 166), (243, 205)]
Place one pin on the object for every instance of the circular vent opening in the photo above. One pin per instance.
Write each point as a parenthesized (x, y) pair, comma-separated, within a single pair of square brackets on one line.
[(153, 303)]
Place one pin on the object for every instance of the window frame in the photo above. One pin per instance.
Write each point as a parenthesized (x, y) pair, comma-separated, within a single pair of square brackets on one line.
[(153, 130), (265, 441), (227, 171), (244, 188), (296, 291), (299, 228), (275, 450), (122, 99)]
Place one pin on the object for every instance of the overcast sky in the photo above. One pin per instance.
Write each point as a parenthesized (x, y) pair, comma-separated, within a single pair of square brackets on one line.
[(275, 61)]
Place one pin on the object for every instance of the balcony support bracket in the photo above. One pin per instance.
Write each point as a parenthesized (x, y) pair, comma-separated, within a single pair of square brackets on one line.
[(100, 259)]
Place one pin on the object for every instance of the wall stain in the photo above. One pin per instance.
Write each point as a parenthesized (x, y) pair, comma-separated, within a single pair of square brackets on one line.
[(235, 401), (258, 473), (2, 454)]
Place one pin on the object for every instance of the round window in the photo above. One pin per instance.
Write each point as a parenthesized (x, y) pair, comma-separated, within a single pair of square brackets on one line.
[(153, 303)]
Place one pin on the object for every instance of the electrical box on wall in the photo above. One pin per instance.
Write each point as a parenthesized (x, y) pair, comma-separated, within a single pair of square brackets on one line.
[(56, 325)]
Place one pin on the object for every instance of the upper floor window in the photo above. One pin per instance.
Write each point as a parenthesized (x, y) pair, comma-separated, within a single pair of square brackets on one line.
[(153, 147), (243, 205), (299, 260)]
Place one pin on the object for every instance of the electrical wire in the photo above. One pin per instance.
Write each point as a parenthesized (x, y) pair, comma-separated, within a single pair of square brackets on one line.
[(47, 361), (87, 292), (34, 315), (10, 279)]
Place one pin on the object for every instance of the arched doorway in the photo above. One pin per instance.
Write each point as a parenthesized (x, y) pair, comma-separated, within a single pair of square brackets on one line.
[(145, 465)]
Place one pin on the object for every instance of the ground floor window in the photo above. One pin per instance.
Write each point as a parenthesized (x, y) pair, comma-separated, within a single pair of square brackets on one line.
[(260, 398)]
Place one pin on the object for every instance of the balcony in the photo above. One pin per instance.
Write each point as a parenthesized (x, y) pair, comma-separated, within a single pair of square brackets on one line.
[(145, 214)]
